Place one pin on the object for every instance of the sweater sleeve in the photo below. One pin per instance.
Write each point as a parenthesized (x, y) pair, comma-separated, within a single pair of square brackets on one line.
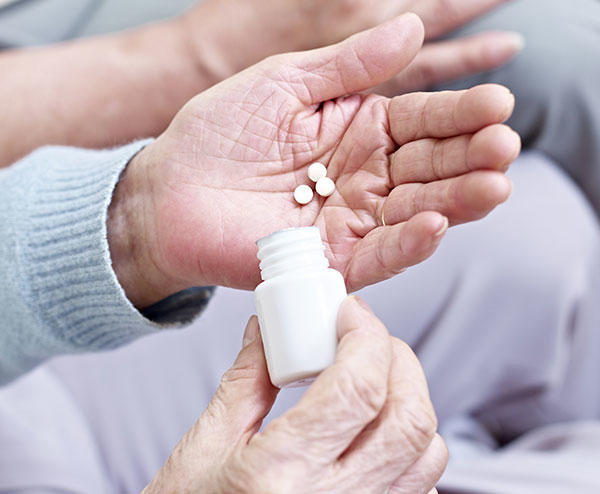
[(58, 292)]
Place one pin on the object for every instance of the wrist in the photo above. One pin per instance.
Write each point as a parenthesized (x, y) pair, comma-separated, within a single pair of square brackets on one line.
[(260, 30), (157, 74), (131, 246)]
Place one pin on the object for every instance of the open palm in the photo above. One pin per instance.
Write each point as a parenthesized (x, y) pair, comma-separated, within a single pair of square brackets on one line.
[(223, 174)]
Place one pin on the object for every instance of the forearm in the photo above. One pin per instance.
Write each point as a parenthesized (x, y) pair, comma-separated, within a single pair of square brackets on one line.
[(97, 92), (110, 90)]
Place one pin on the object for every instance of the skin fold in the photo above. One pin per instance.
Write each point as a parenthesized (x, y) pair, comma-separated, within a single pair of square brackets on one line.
[(378, 435)]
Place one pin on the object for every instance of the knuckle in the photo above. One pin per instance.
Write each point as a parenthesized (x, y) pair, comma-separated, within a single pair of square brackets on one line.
[(363, 392), (427, 73), (350, 8), (380, 254), (274, 60), (413, 412), (433, 463), (404, 354), (438, 158), (417, 423), (234, 379), (441, 454), (244, 369), (240, 372)]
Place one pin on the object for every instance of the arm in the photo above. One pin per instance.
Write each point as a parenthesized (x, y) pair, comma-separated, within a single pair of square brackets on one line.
[(113, 89), (95, 92)]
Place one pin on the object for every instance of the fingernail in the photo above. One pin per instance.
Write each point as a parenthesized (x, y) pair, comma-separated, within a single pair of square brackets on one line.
[(251, 332), (516, 40), (442, 229), (505, 46)]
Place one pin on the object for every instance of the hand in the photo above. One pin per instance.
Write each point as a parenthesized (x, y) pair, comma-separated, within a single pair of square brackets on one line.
[(438, 61), (441, 61), (191, 206), (261, 28), (365, 425)]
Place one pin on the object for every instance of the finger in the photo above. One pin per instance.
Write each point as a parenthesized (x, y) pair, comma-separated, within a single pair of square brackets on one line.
[(448, 113), (465, 198), (388, 250), (453, 59), (493, 148), (358, 63), (403, 431), (235, 413), (441, 16), (422, 475), (245, 395), (345, 397)]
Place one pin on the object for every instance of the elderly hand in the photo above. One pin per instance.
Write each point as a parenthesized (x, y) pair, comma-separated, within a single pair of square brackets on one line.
[(191, 206), (261, 28), (365, 425)]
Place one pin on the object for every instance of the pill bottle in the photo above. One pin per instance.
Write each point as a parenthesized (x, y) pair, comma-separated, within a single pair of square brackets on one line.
[(297, 305)]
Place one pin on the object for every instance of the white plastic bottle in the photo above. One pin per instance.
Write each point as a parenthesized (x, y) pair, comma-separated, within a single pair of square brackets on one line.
[(297, 305)]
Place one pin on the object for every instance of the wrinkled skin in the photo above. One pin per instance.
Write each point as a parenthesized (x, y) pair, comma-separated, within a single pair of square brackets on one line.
[(222, 175), (366, 425)]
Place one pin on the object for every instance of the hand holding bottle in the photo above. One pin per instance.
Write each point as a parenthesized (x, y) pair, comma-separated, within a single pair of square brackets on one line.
[(365, 425)]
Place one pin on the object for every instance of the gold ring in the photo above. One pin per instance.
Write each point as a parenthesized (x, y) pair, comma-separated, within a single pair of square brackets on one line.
[(382, 217)]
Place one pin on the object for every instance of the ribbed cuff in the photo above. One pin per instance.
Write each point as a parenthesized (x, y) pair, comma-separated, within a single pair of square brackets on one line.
[(63, 248), (181, 307)]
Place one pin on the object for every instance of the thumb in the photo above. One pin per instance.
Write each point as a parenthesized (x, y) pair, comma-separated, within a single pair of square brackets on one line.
[(361, 62), (346, 396), (245, 395)]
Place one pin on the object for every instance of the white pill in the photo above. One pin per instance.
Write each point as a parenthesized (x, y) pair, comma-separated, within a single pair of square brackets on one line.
[(316, 171), (325, 187), (303, 194)]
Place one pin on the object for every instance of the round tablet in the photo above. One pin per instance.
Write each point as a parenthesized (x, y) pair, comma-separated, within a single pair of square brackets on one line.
[(316, 171), (303, 194), (325, 187)]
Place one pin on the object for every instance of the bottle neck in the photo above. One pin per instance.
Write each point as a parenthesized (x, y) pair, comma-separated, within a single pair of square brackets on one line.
[(291, 250)]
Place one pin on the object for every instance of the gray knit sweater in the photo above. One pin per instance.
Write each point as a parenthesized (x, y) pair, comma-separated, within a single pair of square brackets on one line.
[(58, 292)]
